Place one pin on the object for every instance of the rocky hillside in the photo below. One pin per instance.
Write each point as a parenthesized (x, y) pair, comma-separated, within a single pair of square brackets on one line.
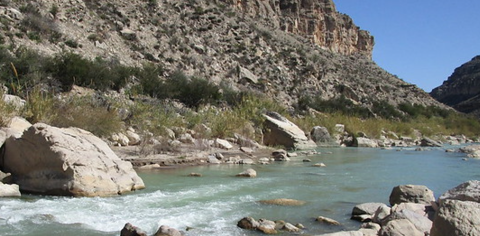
[(286, 49), (462, 89)]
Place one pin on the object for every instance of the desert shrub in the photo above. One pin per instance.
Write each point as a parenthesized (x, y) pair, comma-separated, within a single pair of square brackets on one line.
[(385, 110), (193, 91), (416, 110), (70, 68), (86, 113), (253, 106), (7, 110), (340, 104), (150, 82), (36, 25), (153, 116), (21, 70), (72, 43), (40, 106)]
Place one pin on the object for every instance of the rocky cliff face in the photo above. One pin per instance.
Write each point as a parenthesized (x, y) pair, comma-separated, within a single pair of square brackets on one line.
[(316, 20), (462, 89), (283, 49)]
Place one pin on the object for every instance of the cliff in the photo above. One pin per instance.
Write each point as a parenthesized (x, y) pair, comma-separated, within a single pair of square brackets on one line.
[(317, 20), (462, 89), (287, 50)]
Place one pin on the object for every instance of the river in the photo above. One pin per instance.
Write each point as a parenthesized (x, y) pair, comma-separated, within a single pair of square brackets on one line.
[(214, 203)]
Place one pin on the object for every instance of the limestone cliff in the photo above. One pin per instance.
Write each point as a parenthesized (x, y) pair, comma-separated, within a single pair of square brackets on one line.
[(462, 89), (317, 20)]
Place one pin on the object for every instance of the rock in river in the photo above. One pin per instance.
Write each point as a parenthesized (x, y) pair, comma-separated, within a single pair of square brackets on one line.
[(67, 161)]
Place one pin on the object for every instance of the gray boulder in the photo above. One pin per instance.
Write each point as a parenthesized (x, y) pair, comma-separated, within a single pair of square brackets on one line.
[(251, 173), (459, 218), (367, 208), (248, 223), (365, 142), (130, 230), (281, 131), (472, 151), (320, 135), (420, 221), (68, 161), (411, 193), (401, 227), (428, 142), (365, 211), (468, 191)]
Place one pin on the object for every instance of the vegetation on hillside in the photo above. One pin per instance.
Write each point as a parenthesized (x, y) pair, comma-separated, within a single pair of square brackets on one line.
[(39, 80)]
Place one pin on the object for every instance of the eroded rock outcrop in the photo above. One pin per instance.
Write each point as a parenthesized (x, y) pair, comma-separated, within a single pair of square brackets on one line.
[(66, 161), (317, 21), (462, 89)]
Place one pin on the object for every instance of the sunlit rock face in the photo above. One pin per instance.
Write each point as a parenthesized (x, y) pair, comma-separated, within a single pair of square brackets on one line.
[(317, 21)]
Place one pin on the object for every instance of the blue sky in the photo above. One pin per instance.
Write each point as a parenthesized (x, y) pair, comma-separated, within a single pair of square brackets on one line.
[(420, 41)]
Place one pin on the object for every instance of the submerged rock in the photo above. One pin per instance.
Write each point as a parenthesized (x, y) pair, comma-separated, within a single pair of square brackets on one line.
[(130, 230), (67, 161), (283, 202), (327, 220), (248, 173)]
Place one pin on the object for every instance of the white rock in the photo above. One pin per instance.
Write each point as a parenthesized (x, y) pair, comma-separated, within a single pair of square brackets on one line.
[(9, 190), (68, 161)]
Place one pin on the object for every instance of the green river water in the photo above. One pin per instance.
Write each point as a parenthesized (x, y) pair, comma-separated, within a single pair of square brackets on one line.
[(214, 203)]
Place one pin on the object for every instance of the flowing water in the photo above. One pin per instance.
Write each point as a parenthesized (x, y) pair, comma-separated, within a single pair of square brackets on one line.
[(214, 203)]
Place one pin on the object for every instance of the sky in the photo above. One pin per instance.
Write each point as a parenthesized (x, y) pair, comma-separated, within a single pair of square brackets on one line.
[(420, 41)]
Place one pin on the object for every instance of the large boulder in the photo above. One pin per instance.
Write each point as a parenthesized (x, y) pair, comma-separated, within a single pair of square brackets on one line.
[(411, 193), (365, 142), (67, 161), (468, 191), (280, 131), (459, 218)]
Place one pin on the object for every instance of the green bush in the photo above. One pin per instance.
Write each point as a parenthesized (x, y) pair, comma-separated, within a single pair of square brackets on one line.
[(70, 68), (340, 104), (86, 113), (21, 70)]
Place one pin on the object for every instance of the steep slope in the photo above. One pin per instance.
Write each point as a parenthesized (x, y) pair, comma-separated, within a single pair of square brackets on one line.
[(462, 89), (287, 49)]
